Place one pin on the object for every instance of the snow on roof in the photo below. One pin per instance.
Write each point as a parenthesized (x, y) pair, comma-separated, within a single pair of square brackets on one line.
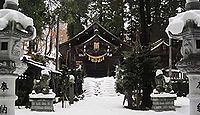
[(158, 43), (173, 70), (177, 23), (96, 35), (91, 26), (49, 66)]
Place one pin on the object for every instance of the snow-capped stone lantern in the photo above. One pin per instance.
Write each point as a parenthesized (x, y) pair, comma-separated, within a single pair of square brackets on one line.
[(186, 27), (15, 28)]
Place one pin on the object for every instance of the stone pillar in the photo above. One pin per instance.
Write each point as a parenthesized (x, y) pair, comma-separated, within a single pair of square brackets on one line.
[(7, 93), (191, 65), (15, 27)]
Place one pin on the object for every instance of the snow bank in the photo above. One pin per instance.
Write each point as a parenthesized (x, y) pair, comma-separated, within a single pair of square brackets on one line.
[(177, 23)]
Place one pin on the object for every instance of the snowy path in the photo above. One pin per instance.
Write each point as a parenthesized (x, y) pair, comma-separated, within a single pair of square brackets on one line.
[(101, 99), (105, 105), (99, 86)]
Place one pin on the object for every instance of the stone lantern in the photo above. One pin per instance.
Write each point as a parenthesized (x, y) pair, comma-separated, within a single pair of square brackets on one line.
[(186, 27), (15, 28)]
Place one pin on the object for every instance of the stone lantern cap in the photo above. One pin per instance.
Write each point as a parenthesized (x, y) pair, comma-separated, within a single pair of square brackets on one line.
[(22, 24), (177, 23)]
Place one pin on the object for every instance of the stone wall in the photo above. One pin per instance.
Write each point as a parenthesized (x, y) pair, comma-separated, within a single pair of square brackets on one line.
[(163, 103), (44, 104)]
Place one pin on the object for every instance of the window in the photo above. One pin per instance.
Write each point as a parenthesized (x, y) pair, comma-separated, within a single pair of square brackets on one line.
[(4, 45), (198, 44)]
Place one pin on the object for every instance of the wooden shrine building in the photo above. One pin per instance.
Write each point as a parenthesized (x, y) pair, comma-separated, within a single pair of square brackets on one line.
[(96, 49)]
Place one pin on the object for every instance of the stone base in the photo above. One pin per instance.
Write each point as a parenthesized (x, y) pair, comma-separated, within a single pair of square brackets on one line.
[(163, 103), (38, 104), (7, 105)]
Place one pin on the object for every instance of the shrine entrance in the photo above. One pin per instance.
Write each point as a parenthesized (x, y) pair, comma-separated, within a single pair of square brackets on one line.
[(96, 49), (97, 69)]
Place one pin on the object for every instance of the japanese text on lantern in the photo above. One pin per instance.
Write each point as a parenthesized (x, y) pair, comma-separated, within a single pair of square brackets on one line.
[(3, 109), (198, 107), (4, 86), (198, 86)]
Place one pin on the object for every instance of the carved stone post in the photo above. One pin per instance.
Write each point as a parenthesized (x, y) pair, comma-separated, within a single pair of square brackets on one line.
[(189, 33), (13, 31)]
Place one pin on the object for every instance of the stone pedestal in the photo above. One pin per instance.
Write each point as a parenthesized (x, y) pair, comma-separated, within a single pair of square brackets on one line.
[(163, 102), (194, 95), (190, 65), (7, 94), (42, 102)]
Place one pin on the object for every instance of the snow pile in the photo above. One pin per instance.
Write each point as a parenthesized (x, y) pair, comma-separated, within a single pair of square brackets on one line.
[(51, 94), (41, 95), (177, 23), (99, 86)]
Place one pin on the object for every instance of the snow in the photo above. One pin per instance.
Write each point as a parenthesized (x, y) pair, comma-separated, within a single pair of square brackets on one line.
[(41, 95), (187, 1), (163, 95), (7, 15), (45, 72), (15, 1), (99, 86), (104, 104), (158, 72), (161, 42), (177, 23)]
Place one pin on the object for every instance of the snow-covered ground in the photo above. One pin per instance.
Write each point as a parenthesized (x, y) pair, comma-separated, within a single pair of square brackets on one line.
[(99, 86), (100, 103)]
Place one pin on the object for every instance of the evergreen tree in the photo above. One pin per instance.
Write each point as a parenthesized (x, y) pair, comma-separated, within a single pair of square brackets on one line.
[(136, 77)]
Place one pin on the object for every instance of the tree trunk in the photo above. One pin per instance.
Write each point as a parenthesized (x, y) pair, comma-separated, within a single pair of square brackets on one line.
[(146, 98), (1, 3), (129, 99), (144, 39)]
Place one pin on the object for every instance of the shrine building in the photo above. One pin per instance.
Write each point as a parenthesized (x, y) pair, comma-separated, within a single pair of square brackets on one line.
[(96, 49)]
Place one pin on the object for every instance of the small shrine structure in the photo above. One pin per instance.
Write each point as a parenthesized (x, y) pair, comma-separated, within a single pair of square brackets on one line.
[(96, 49)]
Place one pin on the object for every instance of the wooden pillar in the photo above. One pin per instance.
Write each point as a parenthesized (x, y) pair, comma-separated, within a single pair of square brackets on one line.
[(108, 67)]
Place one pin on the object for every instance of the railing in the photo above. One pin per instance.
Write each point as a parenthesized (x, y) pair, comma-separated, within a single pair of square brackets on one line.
[(177, 76)]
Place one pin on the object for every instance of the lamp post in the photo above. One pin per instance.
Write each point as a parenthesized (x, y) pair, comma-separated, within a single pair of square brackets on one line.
[(185, 26), (15, 28)]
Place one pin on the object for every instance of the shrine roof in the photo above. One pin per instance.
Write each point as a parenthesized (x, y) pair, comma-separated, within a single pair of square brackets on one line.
[(89, 33), (96, 36), (158, 43)]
